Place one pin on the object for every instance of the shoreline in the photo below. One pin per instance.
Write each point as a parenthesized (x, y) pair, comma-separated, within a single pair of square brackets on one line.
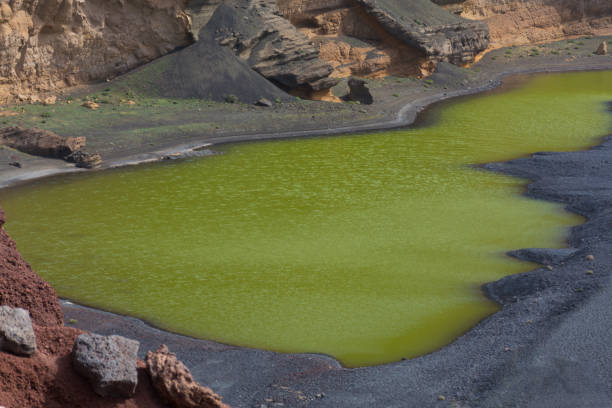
[(260, 366), (405, 116)]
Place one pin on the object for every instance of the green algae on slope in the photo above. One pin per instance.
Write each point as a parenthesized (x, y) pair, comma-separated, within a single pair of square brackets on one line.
[(370, 248)]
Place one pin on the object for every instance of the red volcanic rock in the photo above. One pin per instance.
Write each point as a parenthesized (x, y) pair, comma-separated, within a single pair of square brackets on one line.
[(47, 379), (174, 382), (21, 287)]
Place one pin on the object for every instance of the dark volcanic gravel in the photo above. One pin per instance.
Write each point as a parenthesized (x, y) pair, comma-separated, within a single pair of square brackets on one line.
[(549, 346)]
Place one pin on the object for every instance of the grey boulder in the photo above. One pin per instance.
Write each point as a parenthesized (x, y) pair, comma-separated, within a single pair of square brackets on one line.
[(108, 362), (16, 332)]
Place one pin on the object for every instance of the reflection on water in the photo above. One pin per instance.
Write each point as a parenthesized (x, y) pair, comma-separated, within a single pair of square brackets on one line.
[(370, 248)]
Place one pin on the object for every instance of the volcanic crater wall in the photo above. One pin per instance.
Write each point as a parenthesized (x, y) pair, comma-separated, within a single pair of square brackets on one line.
[(530, 21), (46, 45)]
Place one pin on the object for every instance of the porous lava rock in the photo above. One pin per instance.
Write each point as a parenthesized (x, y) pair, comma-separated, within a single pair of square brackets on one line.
[(108, 362), (16, 332), (40, 142), (174, 382)]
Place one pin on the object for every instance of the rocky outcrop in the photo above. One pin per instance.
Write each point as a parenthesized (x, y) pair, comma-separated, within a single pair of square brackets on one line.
[(108, 362), (352, 41), (40, 142), (174, 382), (257, 34), (442, 36), (16, 332), (359, 92), (45, 143), (46, 45), (602, 49), (523, 22), (385, 37)]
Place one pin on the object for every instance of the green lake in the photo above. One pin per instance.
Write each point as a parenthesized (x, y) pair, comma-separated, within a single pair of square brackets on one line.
[(369, 248)]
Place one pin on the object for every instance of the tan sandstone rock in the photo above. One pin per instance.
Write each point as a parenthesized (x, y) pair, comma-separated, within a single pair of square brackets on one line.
[(46, 45), (40, 142), (175, 384), (602, 49), (523, 22), (90, 105)]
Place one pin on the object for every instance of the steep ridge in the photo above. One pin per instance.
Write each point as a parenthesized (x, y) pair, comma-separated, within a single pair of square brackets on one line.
[(531, 21)]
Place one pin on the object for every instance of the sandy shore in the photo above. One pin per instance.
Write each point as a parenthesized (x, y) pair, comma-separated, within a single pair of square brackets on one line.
[(547, 347)]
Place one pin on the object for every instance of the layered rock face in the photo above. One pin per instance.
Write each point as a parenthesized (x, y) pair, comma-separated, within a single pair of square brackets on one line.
[(531, 21), (385, 37), (46, 45), (269, 44)]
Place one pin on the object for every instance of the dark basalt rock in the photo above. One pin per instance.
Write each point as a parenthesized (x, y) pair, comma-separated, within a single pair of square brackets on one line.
[(108, 362), (543, 256), (359, 92)]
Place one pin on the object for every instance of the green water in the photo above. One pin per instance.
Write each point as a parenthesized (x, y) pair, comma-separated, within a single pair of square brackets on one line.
[(370, 248)]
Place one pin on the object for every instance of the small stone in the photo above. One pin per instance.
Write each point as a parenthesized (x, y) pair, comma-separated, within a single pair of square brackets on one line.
[(602, 49), (589, 272), (550, 268), (264, 102), (84, 160), (441, 398), (589, 258), (51, 100), (108, 362), (16, 332), (15, 164), (90, 105)]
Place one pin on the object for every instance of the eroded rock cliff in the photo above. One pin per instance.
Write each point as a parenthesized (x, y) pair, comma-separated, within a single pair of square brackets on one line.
[(46, 45), (386, 37), (531, 21)]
